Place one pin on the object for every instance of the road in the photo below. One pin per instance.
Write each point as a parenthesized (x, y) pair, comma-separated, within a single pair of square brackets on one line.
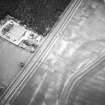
[(40, 55), (72, 81)]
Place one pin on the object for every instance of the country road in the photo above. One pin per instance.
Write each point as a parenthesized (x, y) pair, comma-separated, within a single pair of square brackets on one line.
[(72, 50), (78, 76)]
